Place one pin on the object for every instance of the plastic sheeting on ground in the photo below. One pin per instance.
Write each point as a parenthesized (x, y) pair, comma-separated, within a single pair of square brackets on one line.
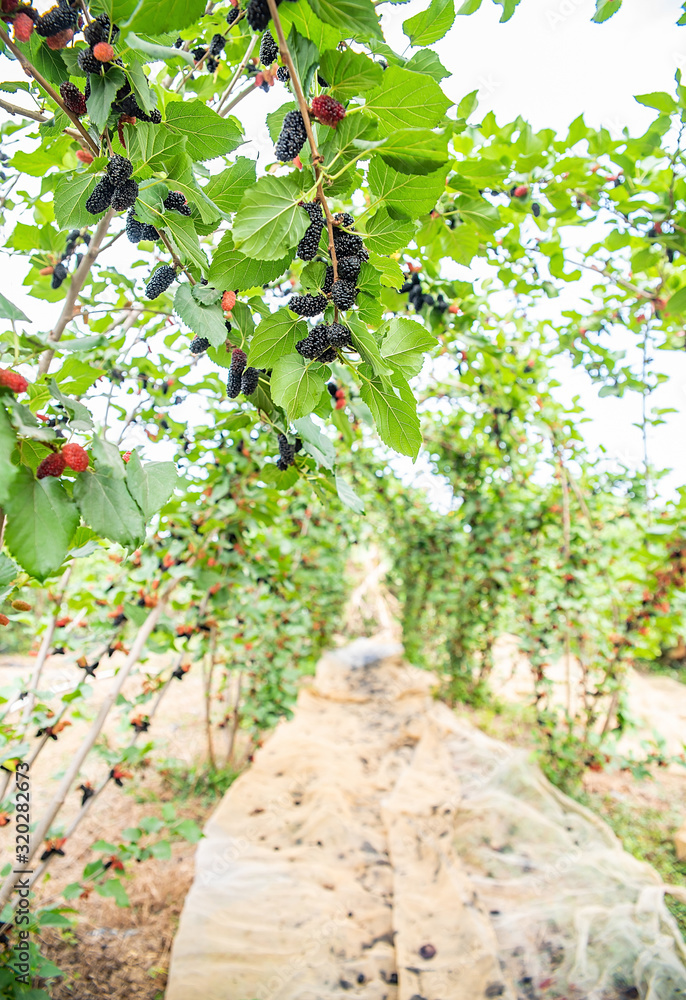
[(380, 848)]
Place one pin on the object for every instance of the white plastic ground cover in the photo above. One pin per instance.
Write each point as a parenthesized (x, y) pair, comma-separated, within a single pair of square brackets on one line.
[(381, 848)]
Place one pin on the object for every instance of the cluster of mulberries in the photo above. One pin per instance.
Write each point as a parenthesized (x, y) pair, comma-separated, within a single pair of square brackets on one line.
[(323, 341), (116, 189), (292, 138), (176, 202), (137, 231), (327, 110), (99, 57), (60, 270), (309, 244), (72, 456), (160, 281), (418, 298), (241, 379), (125, 103)]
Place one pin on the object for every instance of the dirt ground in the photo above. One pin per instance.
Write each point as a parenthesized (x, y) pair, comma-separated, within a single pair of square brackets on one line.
[(123, 953)]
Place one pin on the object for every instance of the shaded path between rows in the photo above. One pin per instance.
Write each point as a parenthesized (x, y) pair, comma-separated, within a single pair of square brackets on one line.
[(380, 848)]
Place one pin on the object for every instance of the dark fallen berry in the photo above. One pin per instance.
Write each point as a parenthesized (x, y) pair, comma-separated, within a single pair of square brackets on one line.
[(119, 169), (343, 294), (339, 335), (283, 74), (73, 99), (217, 45), (176, 202), (349, 268), (307, 305), (232, 15), (199, 345), (292, 139), (309, 244), (59, 273), (124, 195), (328, 110), (99, 199), (249, 381), (268, 49), (56, 20), (160, 281)]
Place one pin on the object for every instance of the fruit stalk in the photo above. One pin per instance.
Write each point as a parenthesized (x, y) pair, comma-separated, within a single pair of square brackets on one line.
[(305, 112)]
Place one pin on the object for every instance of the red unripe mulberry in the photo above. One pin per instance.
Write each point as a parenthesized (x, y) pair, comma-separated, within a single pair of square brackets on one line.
[(103, 52), (84, 156), (52, 465), (328, 110), (12, 380), (521, 191), (228, 301), (75, 457), (23, 26)]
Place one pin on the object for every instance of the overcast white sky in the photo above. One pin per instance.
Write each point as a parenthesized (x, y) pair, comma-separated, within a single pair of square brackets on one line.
[(549, 64)]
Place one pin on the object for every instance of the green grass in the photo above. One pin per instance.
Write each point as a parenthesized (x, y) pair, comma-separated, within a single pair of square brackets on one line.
[(648, 834)]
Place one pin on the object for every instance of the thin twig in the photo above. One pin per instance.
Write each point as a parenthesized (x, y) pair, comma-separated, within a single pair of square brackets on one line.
[(305, 112), (14, 109), (174, 257), (75, 287), (237, 75), (49, 90)]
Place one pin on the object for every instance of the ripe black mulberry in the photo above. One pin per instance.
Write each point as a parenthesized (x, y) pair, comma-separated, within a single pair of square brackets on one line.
[(160, 281), (268, 49), (100, 197), (343, 294), (199, 345), (233, 14), (309, 244), (119, 169), (89, 64), (349, 268), (124, 195), (137, 231), (217, 45), (258, 15), (292, 139), (307, 305), (99, 30), (249, 381), (286, 453), (283, 74), (59, 273), (316, 346), (339, 335)]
